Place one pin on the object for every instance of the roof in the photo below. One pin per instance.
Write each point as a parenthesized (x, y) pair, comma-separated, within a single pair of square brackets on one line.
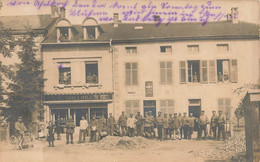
[(126, 32), (21, 23)]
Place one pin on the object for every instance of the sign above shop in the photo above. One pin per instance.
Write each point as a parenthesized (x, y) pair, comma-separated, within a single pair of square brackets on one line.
[(68, 97)]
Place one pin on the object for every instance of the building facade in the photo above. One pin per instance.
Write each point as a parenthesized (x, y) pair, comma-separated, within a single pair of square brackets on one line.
[(97, 68)]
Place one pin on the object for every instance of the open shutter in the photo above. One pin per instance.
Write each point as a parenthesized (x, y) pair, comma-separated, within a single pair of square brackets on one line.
[(182, 72), (204, 71), (233, 71), (212, 71)]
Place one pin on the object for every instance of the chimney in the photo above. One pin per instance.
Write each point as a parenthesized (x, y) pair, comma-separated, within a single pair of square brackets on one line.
[(116, 21), (229, 17), (54, 12), (62, 12), (234, 14)]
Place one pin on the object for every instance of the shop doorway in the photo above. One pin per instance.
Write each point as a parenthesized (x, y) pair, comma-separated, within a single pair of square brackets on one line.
[(77, 115), (59, 116), (195, 108), (150, 105), (98, 112)]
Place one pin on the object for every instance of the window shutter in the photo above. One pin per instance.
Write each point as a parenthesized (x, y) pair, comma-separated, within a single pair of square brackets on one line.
[(204, 71), (233, 71), (221, 104), (128, 73), (169, 72), (182, 72), (134, 73), (227, 107), (212, 71)]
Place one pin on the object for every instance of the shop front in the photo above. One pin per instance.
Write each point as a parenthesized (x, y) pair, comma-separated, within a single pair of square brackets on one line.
[(60, 106)]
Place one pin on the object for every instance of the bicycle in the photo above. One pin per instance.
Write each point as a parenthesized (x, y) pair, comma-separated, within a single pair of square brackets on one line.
[(22, 141)]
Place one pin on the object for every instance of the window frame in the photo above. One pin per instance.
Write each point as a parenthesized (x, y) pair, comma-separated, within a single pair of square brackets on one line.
[(66, 65), (131, 50), (131, 72), (168, 79), (98, 72), (191, 47), (166, 52), (167, 107), (133, 109)]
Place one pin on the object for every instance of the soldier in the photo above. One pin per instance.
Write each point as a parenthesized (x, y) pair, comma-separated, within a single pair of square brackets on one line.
[(214, 123), (83, 125), (202, 124), (181, 124), (111, 124), (176, 126), (191, 125), (122, 122), (70, 130), (131, 125), (171, 126), (147, 125), (20, 128), (159, 123), (152, 124), (186, 121), (139, 124), (221, 125), (93, 129), (165, 126)]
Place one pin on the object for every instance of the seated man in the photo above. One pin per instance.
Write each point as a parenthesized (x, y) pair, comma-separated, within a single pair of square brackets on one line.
[(20, 127)]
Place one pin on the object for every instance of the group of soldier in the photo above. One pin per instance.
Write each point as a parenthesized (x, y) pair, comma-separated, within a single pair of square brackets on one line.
[(163, 126)]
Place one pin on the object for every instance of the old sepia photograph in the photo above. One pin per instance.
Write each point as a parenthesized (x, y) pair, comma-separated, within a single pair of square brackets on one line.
[(129, 80)]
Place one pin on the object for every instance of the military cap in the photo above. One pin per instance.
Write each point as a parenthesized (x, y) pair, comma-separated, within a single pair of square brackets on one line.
[(220, 111), (213, 111), (20, 117), (184, 113), (175, 113), (202, 111)]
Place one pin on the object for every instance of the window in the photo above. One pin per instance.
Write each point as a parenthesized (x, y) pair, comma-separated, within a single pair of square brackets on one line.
[(131, 73), (194, 71), (132, 107), (131, 49), (91, 72), (222, 47), (193, 48), (227, 70), (64, 34), (224, 106), (64, 73), (166, 49), (167, 106), (182, 71), (166, 72), (91, 31)]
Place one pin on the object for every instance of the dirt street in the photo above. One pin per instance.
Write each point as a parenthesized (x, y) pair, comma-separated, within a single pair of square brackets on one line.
[(165, 151)]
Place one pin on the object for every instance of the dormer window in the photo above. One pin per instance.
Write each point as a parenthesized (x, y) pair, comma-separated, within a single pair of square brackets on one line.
[(64, 33), (90, 29)]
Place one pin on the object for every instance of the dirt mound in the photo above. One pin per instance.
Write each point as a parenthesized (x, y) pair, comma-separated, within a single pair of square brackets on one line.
[(114, 142), (234, 148)]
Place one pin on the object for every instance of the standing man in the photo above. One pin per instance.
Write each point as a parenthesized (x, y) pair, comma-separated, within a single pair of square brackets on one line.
[(171, 126), (176, 126), (191, 125), (221, 125), (111, 124), (139, 123), (70, 130), (93, 129), (202, 123), (131, 125), (147, 125), (186, 124), (152, 120), (181, 124), (165, 126), (159, 123), (122, 122), (213, 124), (83, 125)]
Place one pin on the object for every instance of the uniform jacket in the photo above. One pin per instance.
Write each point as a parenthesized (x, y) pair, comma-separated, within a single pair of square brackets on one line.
[(176, 122), (147, 121), (122, 121), (171, 122), (139, 120), (203, 120), (20, 127), (70, 126), (111, 121), (186, 121), (192, 122), (221, 120), (165, 123), (214, 121), (152, 120), (159, 120)]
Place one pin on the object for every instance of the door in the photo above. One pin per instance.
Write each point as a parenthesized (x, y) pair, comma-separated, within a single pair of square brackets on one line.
[(195, 109), (150, 105)]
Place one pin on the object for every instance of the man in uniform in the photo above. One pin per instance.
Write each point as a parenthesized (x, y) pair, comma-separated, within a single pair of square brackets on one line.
[(139, 123), (171, 126), (147, 125), (152, 124), (20, 127), (93, 129), (191, 125), (221, 125), (69, 130), (181, 125), (202, 123), (176, 126), (165, 126), (186, 121), (131, 125), (122, 122), (159, 124), (83, 125), (213, 123), (111, 124)]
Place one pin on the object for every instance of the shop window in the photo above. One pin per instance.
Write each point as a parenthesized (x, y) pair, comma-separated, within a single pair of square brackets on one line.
[(227, 70), (193, 48), (131, 73), (64, 73), (224, 106), (167, 106), (166, 49), (91, 72), (131, 49), (222, 47), (132, 107), (64, 34), (194, 71), (166, 72)]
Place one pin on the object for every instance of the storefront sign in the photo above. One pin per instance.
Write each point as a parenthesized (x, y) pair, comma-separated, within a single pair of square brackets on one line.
[(148, 89), (68, 97)]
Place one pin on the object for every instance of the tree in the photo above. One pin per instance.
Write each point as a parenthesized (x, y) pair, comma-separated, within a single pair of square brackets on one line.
[(239, 112), (26, 87)]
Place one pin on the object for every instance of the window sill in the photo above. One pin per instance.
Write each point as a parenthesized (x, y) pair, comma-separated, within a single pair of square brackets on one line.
[(85, 86)]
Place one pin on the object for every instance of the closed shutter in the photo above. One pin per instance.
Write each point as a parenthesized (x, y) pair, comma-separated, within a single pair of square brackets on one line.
[(169, 72), (233, 71), (182, 72), (212, 71), (134, 73), (204, 72), (162, 73), (128, 73)]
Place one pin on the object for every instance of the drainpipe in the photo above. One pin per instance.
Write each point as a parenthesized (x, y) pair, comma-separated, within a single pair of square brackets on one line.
[(113, 73)]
